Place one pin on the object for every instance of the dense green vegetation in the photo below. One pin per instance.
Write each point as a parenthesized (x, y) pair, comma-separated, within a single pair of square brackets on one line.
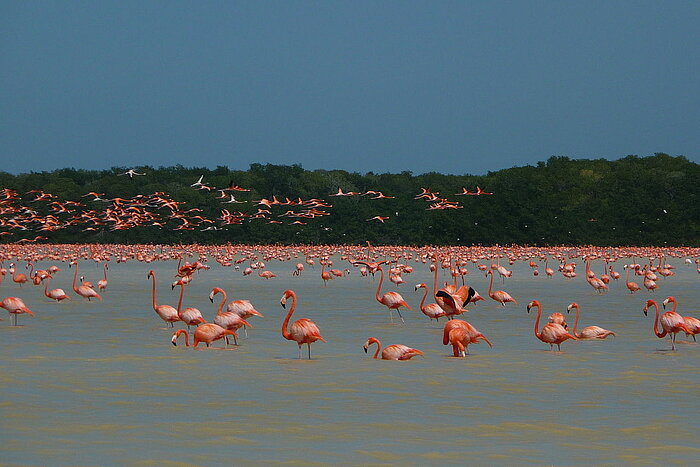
[(630, 201)]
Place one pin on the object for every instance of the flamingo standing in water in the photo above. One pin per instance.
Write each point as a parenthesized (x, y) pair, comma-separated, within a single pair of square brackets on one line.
[(303, 330), (55, 294), (102, 284), (671, 323), (500, 296), (190, 316), (244, 309), (83, 290), (166, 312), (17, 278), (631, 285), (391, 300), (693, 324), (15, 306), (460, 334), (552, 333), (392, 352), (431, 310), (207, 333), (589, 332), (227, 320)]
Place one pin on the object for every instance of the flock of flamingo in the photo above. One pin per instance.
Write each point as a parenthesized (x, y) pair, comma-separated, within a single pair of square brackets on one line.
[(448, 299)]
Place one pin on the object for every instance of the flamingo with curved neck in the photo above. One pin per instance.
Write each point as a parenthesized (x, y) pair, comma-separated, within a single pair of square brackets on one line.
[(303, 330), (671, 322), (552, 333), (589, 332), (83, 290), (55, 294), (392, 352), (500, 296), (207, 333), (190, 316), (229, 319), (431, 310), (166, 312), (391, 300)]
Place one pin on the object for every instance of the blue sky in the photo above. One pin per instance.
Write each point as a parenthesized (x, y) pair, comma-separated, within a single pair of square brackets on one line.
[(383, 86)]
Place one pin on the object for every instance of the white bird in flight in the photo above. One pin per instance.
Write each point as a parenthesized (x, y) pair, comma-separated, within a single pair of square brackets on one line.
[(198, 182), (130, 173)]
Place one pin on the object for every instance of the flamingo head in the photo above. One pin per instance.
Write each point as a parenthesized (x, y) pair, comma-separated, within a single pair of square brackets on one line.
[(214, 291), (369, 342), (648, 305), (150, 274), (532, 304), (668, 300), (571, 307), (420, 286), (283, 300)]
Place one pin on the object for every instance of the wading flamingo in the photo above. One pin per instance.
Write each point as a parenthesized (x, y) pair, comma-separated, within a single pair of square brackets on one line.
[(227, 320), (431, 310), (207, 333), (166, 312), (671, 323), (391, 300), (392, 352), (589, 332), (83, 290), (17, 278), (102, 284), (190, 316), (15, 306), (558, 318), (303, 330), (693, 324), (551, 333), (55, 294), (460, 334), (631, 285), (500, 296)]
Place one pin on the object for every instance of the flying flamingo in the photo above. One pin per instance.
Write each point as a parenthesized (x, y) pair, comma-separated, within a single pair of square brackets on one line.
[(391, 300), (392, 352), (303, 330), (500, 296), (431, 310), (190, 316), (551, 333), (207, 333), (55, 294), (102, 284), (15, 306), (460, 334), (589, 332), (166, 312), (227, 320), (83, 290), (693, 324), (671, 323)]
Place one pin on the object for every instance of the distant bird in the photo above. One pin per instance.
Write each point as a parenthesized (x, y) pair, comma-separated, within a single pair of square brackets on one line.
[(233, 200), (130, 173), (198, 183), (378, 218)]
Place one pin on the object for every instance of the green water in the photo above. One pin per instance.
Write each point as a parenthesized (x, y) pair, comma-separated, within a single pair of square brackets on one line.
[(100, 383)]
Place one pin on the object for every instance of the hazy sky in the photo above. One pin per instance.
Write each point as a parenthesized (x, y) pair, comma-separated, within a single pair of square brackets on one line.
[(455, 87)]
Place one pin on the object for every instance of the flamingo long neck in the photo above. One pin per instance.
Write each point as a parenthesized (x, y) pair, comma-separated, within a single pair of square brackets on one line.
[(155, 305), (179, 302), (46, 286), (31, 270), (673, 310), (75, 277), (576, 321), (285, 332), (379, 287), (221, 305), (491, 285), (187, 337), (537, 320), (656, 323), (104, 269), (379, 346), (435, 287), (627, 276), (422, 302)]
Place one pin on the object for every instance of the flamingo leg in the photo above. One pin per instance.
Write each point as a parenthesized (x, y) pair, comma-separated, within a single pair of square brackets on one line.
[(308, 344), (245, 331), (399, 312), (299, 351), (235, 341), (391, 316)]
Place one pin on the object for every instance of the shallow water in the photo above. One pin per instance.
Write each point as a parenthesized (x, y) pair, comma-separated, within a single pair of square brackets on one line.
[(100, 383)]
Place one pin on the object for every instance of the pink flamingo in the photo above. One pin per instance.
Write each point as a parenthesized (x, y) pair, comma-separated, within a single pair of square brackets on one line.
[(500, 296), (190, 316), (227, 320), (391, 300), (15, 306), (83, 290), (589, 332), (671, 323), (460, 334), (207, 333), (166, 312), (303, 330), (102, 284), (55, 294), (693, 324), (551, 333), (392, 352), (431, 310)]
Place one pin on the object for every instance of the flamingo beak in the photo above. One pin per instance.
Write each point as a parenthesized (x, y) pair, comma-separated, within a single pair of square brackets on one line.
[(645, 311), (365, 347)]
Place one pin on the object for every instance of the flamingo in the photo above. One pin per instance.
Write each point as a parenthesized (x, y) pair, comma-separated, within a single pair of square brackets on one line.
[(83, 290), (102, 284), (207, 333), (227, 320), (432, 310), (303, 330), (244, 309), (551, 333), (500, 296), (558, 318), (693, 324), (55, 294), (391, 300), (671, 323), (631, 285), (460, 334), (392, 352), (298, 269), (15, 306), (589, 332), (166, 312), (190, 316), (325, 275), (17, 278)]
